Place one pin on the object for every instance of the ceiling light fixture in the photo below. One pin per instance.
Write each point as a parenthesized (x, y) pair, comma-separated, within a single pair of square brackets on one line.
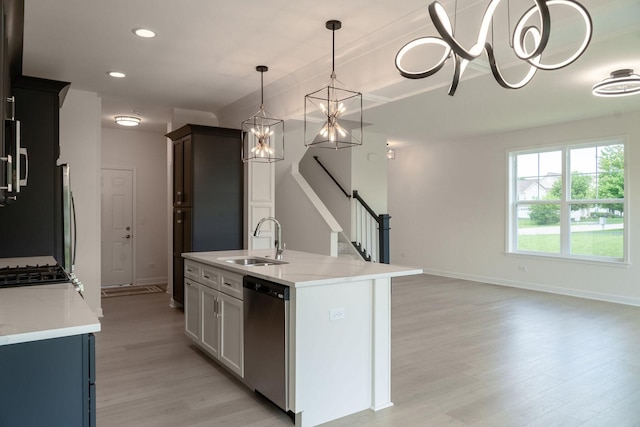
[(144, 33), (528, 42), (117, 74), (325, 110), (620, 83), (128, 120), (262, 135)]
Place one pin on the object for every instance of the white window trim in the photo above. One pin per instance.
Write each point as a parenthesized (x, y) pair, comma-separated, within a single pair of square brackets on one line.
[(512, 202)]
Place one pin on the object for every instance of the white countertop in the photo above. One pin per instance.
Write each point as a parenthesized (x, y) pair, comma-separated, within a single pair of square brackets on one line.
[(32, 313), (303, 269)]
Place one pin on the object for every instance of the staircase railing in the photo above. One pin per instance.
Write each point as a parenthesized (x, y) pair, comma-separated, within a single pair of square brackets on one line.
[(371, 229), (372, 232), (332, 178)]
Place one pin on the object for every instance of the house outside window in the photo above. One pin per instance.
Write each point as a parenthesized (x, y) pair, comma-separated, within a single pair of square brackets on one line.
[(569, 202)]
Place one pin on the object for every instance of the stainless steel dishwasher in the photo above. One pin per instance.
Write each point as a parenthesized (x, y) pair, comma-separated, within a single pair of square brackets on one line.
[(266, 339)]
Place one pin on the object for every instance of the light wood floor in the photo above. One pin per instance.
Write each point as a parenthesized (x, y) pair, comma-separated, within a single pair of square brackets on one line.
[(463, 354)]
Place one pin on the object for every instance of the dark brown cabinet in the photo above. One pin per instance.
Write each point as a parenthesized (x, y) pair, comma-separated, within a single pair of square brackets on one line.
[(208, 194)]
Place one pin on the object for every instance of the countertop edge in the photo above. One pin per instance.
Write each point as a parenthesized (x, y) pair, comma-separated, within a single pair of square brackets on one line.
[(24, 337), (274, 273)]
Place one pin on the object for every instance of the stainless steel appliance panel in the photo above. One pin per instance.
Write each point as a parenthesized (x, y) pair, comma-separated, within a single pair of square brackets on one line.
[(266, 343)]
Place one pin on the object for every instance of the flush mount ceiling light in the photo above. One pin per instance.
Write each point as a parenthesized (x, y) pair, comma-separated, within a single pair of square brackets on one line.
[(262, 135), (144, 33), (620, 83), (117, 74), (527, 41), (325, 110), (128, 120)]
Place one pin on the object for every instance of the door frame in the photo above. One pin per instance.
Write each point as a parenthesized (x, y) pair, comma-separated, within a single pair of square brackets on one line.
[(134, 221)]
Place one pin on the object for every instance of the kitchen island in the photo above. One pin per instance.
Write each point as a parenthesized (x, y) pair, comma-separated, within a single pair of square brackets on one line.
[(46, 356), (339, 330)]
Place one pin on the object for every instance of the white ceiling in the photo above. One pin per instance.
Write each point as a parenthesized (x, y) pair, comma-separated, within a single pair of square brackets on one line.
[(206, 51)]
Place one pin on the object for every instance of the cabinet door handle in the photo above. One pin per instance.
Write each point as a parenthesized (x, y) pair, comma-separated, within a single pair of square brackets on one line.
[(206, 277)]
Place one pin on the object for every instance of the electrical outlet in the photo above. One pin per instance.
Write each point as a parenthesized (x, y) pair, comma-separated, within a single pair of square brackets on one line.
[(336, 313)]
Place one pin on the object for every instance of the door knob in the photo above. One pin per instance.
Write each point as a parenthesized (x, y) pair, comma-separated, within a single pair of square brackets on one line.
[(128, 228), (128, 236)]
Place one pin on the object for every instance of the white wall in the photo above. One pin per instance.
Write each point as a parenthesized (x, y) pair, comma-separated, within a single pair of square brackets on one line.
[(303, 227), (80, 148), (369, 171), (146, 153), (338, 162), (448, 203)]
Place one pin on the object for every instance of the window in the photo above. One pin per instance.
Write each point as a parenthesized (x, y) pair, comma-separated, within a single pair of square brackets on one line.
[(569, 202)]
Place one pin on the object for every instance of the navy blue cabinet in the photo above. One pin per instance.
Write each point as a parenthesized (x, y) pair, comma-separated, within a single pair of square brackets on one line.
[(48, 383)]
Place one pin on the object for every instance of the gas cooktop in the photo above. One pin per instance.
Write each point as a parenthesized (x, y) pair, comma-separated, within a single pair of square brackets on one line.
[(31, 271)]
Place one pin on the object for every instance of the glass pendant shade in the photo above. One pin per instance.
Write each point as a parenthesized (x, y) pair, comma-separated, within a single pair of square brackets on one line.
[(262, 135), (333, 114)]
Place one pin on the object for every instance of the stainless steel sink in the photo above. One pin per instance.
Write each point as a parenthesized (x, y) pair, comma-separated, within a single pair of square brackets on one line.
[(253, 261)]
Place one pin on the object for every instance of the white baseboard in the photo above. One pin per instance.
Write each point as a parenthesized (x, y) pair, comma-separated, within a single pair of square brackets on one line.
[(151, 281), (598, 296)]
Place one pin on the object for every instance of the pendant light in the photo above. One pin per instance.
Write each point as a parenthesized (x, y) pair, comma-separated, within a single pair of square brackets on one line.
[(620, 83), (262, 135), (325, 110)]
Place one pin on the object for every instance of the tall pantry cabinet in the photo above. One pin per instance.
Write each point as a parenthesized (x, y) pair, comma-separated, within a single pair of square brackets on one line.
[(207, 194)]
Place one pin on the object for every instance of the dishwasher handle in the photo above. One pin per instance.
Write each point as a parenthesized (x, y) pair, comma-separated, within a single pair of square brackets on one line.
[(266, 288)]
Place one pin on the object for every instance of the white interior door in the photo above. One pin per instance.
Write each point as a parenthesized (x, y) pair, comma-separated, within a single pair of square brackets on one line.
[(117, 227)]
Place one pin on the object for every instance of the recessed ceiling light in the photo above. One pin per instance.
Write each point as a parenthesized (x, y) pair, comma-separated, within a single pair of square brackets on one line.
[(117, 74), (144, 32), (127, 120)]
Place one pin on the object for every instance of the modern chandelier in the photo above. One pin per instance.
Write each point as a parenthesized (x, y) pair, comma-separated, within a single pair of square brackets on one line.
[(262, 135), (528, 42), (325, 110), (620, 83)]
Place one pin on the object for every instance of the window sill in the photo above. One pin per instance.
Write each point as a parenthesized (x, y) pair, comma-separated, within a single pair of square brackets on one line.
[(574, 260)]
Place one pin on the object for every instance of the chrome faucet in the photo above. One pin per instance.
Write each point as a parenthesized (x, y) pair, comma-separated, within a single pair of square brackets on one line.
[(278, 241)]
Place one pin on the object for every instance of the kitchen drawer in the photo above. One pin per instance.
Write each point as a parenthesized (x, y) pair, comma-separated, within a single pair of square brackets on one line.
[(192, 270), (210, 277), (231, 284)]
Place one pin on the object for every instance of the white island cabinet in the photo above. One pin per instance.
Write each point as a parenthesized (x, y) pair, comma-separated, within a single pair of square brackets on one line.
[(339, 328), (213, 313)]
